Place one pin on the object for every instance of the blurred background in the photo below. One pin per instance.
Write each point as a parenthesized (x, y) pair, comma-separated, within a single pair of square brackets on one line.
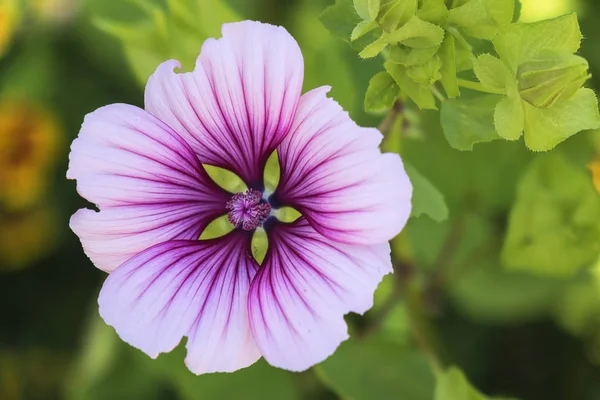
[(520, 334)]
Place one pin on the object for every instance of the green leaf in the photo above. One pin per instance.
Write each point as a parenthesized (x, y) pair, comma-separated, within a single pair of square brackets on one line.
[(373, 49), (367, 9), (395, 13), (160, 34), (448, 69), (491, 72), (418, 93), (377, 370), (427, 73), (547, 127), (426, 198), (362, 29), (517, 42), (408, 56), (340, 19), (416, 33), (434, 11), (491, 294), (509, 117), (482, 18), (381, 93), (453, 385), (554, 225), (247, 383), (469, 121)]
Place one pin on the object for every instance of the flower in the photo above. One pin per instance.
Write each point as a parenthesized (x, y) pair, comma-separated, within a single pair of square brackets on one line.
[(143, 169), (29, 142)]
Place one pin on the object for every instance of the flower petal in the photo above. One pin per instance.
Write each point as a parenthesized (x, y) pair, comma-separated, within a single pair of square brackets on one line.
[(305, 286), (239, 102), (186, 288), (146, 180), (334, 174)]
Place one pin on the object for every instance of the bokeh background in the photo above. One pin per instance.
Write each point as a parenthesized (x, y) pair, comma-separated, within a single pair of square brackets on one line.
[(517, 334)]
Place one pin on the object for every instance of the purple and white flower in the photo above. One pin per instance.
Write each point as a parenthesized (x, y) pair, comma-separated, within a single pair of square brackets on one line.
[(144, 171)]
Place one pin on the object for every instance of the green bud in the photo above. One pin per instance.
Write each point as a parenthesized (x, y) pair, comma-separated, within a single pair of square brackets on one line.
[(550, 77)]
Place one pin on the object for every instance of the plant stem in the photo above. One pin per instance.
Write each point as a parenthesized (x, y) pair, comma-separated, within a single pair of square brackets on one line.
[(385, 125), (478, 87), (437, 93)]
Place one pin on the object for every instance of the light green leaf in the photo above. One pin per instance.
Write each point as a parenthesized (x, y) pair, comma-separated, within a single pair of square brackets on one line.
[(427, 73), (491, 72), (417, 33), (418, 93), (409, 56), (509, 117), (482, 18), (381, 93), (547, 127), (362, 29), (377, 370), (469, 121), (426, 198), (517, 42), (395, 13), (448, 69), (554, 225), (373, 49), (367, 9), (434, 11)]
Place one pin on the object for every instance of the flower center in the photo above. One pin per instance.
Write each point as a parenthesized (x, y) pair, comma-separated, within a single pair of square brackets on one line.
[(248, 210)]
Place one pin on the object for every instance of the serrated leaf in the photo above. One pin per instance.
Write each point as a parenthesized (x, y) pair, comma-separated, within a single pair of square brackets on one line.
[(554, 224), (362, 29), (547, 127), (377, 369), (426, 198), (340, 19), (490, 71), (409, 56), (515, 43), (381, 93), (395, 13), (427, 73), (373, 49), (418, 93), (482, 18), (434, 11), (469, 121), (448, 67), (509, 117), (367, 9), (417, 33)]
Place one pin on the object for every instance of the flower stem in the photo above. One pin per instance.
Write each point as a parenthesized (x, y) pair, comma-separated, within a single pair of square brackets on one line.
[(478, 87)]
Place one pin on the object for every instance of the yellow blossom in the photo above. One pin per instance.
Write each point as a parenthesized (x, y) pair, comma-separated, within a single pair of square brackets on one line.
[(29, 138), (9, 18), (594, 167)]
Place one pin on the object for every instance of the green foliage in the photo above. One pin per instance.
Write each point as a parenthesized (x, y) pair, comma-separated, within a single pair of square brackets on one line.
[(554, 226), (469, 121), (431, 42), (161, 34), (377, 369), (453, 385), (426, 199), (381, 93)]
